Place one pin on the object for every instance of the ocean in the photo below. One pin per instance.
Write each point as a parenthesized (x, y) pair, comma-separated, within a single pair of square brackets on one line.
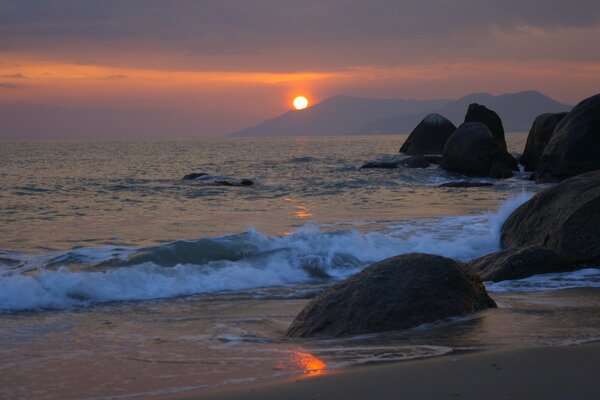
[(118, 279)]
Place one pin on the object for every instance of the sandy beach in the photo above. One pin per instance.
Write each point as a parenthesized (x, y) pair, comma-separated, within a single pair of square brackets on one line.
[(540, 373)]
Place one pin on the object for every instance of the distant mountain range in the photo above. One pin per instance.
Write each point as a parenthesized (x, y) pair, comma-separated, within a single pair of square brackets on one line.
[(346, 115)]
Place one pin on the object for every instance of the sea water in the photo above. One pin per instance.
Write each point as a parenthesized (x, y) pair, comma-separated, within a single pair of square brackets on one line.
[(120, 279)]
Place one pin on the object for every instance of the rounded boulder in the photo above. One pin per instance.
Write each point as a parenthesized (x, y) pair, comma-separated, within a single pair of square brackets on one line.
[(396, 293)]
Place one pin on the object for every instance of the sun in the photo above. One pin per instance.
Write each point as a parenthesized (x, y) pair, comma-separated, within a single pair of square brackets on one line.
[(300, 102)]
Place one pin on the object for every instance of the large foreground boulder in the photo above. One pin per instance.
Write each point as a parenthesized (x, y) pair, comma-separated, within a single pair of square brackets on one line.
[(479, 113), (519, 263), (574, 147), (565, 218), (539, 136), (397, 293), (429, 137), (473, 151)]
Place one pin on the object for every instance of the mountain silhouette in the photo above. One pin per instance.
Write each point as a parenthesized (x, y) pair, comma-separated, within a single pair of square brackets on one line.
[(347, 115), (338, 115)]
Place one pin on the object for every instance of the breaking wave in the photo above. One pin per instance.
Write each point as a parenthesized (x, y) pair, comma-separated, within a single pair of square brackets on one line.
[(87, 275)]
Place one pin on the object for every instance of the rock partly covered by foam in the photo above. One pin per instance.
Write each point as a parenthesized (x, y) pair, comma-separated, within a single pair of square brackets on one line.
[(565, 218), (473, 151), (216, 180), (519, 263), (429, 137), (539, 136), (397, 293), (574, 147), (479, 113)]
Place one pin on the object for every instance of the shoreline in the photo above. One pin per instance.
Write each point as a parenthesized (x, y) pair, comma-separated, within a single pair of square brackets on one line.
[(568, 372)]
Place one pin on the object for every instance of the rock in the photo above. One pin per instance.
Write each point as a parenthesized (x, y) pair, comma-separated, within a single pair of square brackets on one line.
[(429, 137), (194, 176), (538, 138), (433, 158), (381, 164), (216, 180), (465, 184), (564, 218), (397, 293), (415, 162), (499, 170), (479, 113), (472, 150), (243, 182), (519, 263), (410, 162), (574, 147)]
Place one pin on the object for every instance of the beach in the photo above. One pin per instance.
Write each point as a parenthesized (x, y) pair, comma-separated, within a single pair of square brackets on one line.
[(540, 373)]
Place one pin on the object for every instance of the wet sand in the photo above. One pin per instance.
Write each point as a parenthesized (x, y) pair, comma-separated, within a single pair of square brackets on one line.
[(540, 373)]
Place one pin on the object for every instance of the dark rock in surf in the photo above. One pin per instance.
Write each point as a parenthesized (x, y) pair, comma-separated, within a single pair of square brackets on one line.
[(429, 137), (381, 164), (243, 182), (465, 184), (479, 113), (473, 151), (519, 263), (397, 293), (539, 136), (193, 176), (564, 218), (574, 147), (500, 170), (433, 158), (415, 162), (410, 162)]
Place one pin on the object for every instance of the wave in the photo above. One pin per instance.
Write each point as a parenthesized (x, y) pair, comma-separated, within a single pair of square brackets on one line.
[(87, 275), (588, 277)]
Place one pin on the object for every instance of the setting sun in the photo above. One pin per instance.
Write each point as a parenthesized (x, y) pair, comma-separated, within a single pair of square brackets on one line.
[(300, 102)]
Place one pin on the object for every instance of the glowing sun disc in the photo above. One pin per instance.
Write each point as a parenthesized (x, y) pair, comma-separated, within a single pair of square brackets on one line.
[(300, 102)]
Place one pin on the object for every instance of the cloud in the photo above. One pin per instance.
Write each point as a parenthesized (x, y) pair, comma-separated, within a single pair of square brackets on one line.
[(115, 77), (259, 34), (13, 76), (7, 86)]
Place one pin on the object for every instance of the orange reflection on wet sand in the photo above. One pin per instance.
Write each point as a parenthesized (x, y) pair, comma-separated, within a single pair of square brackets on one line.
[(311, 365)]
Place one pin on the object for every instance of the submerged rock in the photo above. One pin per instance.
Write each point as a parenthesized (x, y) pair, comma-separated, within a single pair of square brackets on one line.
[(472, 150), (193, 175), (564, 218), (539, 136), (429, 137), (479, 113), (397, 293), (216, 180), (410, 162), (574, 147), (415, 162), (519, 263), (465, 184), (381, 164)]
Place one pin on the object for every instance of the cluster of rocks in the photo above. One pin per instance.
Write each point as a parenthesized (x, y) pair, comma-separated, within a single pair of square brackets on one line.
[(559, 145), (557, 230)]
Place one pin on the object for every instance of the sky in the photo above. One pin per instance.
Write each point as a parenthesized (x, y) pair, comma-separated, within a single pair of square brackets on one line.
[(207, 68)]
